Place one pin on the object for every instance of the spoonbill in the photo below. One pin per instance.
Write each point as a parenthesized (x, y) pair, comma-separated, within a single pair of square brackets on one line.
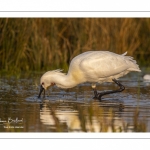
[(94, 67)]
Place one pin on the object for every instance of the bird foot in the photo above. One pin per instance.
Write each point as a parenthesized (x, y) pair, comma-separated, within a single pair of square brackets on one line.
[(97, 96)]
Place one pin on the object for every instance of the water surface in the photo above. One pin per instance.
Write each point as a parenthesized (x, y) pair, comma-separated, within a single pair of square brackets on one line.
[(74, 110)]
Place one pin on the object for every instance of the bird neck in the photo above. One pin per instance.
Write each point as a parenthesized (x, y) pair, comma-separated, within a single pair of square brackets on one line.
[(64, 81)]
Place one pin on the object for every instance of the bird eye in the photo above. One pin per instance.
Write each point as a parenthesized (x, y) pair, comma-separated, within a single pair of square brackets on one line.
[(42, 83)]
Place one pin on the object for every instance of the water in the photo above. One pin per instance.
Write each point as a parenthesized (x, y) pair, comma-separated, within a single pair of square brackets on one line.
[(74, 110)]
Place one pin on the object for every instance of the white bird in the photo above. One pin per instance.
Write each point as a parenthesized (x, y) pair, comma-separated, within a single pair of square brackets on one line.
[(94, 67), (147, 77)]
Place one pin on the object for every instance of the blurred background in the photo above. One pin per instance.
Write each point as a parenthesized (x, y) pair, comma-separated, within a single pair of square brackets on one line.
[(29, 44)]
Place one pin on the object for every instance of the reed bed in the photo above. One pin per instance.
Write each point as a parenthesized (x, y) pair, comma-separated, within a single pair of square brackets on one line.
[(29, 44)]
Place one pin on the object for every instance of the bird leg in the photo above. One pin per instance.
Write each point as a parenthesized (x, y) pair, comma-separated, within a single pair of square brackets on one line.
[(99, 95)]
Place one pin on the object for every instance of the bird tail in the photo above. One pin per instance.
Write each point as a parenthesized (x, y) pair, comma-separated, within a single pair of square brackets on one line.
[(132, 63), (124, 53)]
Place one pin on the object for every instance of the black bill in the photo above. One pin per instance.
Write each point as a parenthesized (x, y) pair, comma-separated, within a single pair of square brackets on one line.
[(41, 90)]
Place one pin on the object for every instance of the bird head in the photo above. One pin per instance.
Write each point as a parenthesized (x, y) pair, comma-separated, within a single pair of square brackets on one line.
[(45, 82), (48, 79)]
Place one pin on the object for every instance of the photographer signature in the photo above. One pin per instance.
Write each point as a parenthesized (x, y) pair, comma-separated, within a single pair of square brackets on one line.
[(10, 120)]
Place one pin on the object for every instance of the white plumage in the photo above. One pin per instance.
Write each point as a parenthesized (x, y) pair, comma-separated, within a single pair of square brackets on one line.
[(91, 66), (147, 77)]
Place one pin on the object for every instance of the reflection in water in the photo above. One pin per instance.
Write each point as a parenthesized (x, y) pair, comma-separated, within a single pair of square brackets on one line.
[(74, 110), (103, 122), (67, 116)]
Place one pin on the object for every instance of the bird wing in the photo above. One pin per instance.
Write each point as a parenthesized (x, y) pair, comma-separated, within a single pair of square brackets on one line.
[(102, 64)]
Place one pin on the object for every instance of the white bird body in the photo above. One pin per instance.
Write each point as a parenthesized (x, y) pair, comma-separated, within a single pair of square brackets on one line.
[(146, 77), (91, 66)]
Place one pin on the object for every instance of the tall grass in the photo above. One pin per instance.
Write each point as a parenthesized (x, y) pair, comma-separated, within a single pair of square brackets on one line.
[(48, 43)]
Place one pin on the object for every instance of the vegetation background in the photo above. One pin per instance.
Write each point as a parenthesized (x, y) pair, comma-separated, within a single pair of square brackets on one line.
[(36, 44)]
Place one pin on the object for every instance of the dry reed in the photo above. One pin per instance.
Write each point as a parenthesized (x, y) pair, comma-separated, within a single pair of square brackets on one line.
[(48, 43)]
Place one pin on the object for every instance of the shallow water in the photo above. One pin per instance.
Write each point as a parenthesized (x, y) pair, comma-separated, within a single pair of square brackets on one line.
[(69, 110)]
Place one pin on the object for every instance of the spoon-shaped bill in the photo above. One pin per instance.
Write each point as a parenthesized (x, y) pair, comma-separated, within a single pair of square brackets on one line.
[(41, 90)]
